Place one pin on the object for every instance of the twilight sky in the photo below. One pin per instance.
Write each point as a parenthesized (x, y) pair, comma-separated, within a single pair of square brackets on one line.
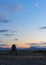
[(24, 20)]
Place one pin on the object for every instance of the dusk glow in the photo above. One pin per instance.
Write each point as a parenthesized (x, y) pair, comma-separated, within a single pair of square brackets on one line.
[(23, 22)]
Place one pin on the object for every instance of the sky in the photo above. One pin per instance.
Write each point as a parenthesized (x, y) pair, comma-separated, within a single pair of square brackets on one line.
[(23, 22)]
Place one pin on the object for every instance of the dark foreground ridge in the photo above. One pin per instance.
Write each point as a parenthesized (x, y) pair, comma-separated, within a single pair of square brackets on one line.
[(23, 57)]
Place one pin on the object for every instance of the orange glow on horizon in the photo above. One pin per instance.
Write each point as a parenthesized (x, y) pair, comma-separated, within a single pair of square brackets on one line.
[(21, 44), (18, 46)]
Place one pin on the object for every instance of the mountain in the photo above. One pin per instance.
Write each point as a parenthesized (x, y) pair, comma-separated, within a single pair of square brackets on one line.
[(37, 48), (33, 48), (4, 48)]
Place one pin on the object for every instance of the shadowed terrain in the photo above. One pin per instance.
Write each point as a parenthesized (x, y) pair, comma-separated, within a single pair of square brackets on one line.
[(23, 58)]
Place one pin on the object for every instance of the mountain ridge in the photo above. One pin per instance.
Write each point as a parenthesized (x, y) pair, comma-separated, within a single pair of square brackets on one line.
[(30, 48)]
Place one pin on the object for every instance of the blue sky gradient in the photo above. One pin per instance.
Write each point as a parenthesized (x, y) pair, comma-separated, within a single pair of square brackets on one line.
[(24, 16)]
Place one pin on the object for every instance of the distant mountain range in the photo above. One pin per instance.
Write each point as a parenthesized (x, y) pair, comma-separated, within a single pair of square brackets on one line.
[(4, 48), (37, 48), (31, 48)]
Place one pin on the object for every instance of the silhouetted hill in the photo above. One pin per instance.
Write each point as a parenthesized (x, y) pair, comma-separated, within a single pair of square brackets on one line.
[(37, 48), (33, 48), (4, 48)]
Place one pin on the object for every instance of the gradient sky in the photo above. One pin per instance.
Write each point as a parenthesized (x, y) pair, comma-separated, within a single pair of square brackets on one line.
[(24, 20)]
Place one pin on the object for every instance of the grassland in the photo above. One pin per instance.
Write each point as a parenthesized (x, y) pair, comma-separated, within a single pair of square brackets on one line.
[(23, 58)]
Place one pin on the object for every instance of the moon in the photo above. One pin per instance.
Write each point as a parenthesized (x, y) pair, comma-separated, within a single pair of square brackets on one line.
[(36, 4)]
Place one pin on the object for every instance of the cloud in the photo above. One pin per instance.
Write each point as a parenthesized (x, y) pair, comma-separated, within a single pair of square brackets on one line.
[(2, 31), (3, 45), (42, 28), (13, 31), (4, 17), (12, 7), (4, 21), (42, 42), (6, 9), (8, 35), (1, 41), (35, 44), (16, 39), (31, 44), (16, 8)]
